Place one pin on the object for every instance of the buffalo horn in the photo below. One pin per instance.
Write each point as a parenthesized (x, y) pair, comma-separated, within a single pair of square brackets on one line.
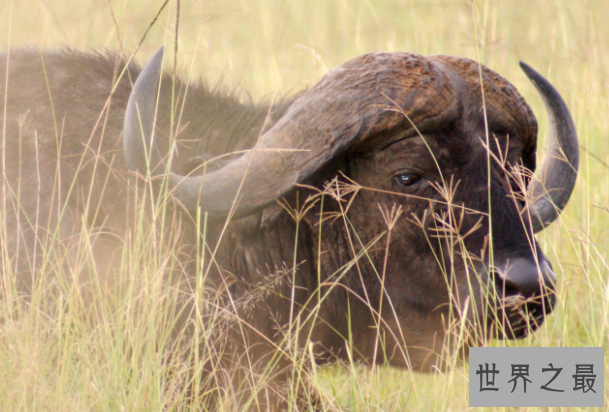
[(140, 118), (281, 157), (549, 192), (309, 134)]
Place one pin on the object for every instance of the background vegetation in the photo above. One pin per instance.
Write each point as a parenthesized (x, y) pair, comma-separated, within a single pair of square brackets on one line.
[(274, 46)]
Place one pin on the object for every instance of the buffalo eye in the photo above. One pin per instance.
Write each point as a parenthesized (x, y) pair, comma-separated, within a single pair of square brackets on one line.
[(514, 185), (407, 179), (516, 190)]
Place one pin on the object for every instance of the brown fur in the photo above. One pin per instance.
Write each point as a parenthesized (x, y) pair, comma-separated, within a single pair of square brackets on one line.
[(413, 273)]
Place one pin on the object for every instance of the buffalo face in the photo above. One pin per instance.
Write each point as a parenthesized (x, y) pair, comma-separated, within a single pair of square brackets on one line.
[(439, 155)]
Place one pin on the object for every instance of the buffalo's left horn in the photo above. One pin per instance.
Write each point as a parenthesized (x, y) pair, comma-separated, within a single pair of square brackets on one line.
[(284, 155), (140, 118), (549, 193), (218, 192)]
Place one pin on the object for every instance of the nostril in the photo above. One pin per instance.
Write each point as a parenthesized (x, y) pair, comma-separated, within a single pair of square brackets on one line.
[(524, 277), (526, 292), (505, 287)]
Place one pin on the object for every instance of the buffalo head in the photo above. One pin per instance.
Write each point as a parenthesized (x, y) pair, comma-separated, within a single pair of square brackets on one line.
[(423, 204)]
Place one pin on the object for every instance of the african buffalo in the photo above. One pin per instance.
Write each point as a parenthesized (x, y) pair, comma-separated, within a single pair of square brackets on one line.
[(388, 203)]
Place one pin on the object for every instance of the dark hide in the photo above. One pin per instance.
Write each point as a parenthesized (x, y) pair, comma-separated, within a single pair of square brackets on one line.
[(422, 268)]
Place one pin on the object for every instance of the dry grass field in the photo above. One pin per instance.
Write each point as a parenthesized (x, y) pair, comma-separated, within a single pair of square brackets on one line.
[(53, 360)]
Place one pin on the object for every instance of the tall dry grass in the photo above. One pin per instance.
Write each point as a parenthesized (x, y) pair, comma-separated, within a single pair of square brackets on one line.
[(50, 359)]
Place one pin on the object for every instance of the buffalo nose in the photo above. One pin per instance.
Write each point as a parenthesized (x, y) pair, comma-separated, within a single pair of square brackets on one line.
[(527, 293), (525, 277)]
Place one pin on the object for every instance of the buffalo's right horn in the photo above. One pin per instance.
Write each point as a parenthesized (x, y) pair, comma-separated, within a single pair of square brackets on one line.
[(549, 192)]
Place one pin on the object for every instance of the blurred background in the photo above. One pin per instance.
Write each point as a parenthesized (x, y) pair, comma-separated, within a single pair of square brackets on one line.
[(282, 46), (269, 45)]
